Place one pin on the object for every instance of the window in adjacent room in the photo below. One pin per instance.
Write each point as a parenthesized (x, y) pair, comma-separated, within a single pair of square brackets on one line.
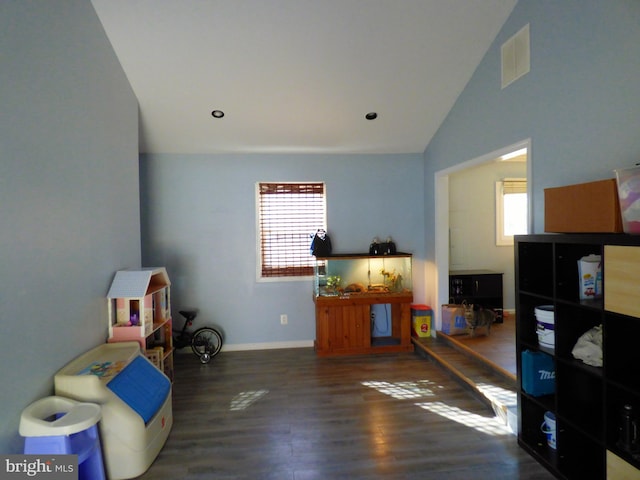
[(288, 215), (511, 209)]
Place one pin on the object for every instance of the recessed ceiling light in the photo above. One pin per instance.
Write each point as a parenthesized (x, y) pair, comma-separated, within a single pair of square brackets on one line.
[(217, 114), (371, 116)]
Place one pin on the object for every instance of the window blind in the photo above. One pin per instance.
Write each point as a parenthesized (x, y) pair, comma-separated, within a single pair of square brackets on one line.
[(288, 215), (514, 185)]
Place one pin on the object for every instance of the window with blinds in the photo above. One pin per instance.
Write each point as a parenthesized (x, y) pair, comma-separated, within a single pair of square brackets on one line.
[(288, 215), (511, 210), (514, 185)]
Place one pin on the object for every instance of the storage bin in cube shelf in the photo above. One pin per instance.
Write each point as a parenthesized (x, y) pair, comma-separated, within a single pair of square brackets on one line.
[(545, 321), (628, 181), (538, 373)]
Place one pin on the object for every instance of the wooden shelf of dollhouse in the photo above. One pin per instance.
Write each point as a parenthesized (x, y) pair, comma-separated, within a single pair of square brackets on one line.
[(134, 333), (140, 310)]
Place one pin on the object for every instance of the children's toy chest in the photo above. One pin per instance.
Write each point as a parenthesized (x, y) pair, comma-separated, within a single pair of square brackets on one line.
[(538, 373), (135, 398)]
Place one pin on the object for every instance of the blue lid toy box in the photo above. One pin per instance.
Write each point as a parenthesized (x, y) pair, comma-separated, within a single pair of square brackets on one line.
[(538, 373)]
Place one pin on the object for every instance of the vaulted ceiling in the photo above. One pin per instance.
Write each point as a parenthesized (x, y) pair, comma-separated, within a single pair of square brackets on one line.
[(297, 76)]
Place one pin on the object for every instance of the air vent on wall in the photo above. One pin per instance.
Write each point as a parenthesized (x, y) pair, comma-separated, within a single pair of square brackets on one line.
[(515, 56)]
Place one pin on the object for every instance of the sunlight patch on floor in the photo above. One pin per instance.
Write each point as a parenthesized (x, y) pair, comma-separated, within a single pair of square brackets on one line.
[(488, 425), (244, 400), (405, 390), (498, 394)]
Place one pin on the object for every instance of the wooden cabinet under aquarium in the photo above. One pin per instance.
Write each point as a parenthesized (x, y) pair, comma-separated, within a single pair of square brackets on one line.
[(363, 304)]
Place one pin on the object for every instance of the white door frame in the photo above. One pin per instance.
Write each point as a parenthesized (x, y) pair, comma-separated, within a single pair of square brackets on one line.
[(441, 180)]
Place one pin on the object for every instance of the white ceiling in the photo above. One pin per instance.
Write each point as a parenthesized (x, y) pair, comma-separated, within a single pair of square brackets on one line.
[(298, 76)]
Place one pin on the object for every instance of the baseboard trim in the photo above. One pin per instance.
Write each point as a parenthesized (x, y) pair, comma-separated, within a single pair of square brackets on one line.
[(267, 346)]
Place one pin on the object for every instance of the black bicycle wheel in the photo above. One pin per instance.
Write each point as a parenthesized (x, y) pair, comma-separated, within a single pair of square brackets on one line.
[(206, 343)]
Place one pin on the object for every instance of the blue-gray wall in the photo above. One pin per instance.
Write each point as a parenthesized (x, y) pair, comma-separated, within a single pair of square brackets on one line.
[(579, 104), (69, 179), (68, 193), (199, 220)]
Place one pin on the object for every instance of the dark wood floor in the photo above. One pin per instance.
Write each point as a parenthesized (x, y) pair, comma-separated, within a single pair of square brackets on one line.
[(289, 415)]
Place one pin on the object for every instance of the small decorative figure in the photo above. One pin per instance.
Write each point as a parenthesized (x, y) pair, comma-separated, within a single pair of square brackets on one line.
[(333, 282), (392, 280)]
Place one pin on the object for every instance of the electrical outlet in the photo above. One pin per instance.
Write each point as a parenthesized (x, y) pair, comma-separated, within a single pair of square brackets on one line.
[(283, 319)]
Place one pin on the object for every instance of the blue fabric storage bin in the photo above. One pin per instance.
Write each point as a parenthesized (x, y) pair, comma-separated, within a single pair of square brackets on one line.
[(141, 386), (538, 373)]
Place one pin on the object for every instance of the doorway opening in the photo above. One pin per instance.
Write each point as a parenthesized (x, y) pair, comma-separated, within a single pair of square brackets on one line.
[(443, 234)]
